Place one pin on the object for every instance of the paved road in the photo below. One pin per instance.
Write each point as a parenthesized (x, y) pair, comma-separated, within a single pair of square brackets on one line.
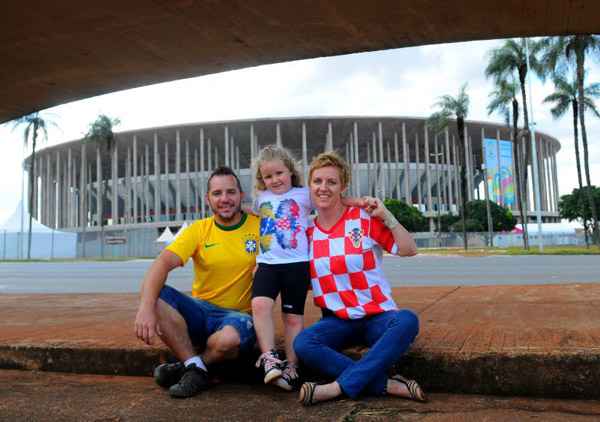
[(422, 270)]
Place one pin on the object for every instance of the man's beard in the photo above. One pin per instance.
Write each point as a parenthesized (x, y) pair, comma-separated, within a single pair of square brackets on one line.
[(227, 219)]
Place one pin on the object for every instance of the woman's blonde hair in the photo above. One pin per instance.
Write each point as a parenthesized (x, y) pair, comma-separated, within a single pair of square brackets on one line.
[(331, 159), (271, 153)]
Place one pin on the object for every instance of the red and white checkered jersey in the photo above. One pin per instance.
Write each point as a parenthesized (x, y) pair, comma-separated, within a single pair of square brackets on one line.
[(346, 265)]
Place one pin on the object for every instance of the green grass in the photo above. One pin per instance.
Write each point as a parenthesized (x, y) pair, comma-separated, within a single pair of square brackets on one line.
[(534, 250)]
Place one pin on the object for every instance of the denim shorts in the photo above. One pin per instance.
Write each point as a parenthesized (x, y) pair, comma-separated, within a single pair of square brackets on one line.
[(203, 319)]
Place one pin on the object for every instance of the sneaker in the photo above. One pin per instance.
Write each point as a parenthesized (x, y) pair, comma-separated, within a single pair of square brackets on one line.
[(193, 381), (271, 365), (289, 380), (168, 374)]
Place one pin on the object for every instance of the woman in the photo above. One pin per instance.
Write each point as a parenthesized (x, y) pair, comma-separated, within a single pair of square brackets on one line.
[(348, 284)]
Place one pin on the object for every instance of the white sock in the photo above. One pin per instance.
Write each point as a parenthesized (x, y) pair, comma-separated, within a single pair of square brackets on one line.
[(197, 360)]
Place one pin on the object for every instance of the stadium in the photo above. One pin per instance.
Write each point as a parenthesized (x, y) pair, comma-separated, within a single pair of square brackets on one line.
[(156, 177)]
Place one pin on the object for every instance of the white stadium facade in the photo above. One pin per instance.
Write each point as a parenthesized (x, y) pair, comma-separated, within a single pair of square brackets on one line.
[(156, 177)]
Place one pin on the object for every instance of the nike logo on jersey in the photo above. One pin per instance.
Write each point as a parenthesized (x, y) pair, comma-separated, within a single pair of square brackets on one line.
[(209, 245)]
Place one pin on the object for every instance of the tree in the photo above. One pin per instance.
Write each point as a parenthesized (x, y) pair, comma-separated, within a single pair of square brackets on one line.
[(561, 53), (506, 62), (502, 217), (101, 134), (573, 208), (410, 217), (503, 100), (457, 108), (565, 96), (32, 123)]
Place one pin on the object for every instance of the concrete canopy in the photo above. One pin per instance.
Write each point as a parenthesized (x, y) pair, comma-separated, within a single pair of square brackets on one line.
[(63, 51)]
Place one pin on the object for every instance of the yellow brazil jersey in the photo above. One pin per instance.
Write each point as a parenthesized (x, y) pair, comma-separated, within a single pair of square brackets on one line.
[(224, 258)]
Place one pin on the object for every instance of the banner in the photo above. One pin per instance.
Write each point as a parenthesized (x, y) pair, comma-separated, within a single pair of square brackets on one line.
[(499, 165)]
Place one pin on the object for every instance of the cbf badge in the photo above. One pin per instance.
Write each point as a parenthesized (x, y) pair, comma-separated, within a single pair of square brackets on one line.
[(356, 235), (250, 244)]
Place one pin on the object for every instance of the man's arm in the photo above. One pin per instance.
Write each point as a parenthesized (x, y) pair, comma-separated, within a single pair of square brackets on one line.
[(146, 321)]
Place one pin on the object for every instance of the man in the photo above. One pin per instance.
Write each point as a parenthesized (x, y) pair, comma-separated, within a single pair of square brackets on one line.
[(215, 319)]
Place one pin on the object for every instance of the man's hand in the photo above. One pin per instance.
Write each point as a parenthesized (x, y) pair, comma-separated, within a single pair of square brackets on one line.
[(146, 325)]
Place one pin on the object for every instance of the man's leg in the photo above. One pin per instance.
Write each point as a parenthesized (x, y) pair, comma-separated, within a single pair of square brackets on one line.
[(222, 345), (174, 331)]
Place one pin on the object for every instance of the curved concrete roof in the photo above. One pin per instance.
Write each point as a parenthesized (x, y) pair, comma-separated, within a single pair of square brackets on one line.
[(63, 51)]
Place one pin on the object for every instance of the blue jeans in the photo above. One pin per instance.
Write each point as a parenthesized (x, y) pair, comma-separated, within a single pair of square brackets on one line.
[(203, 319), (388, 335)]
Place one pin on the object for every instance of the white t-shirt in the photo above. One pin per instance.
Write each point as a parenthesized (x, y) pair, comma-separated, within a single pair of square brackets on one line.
[(283, 223)]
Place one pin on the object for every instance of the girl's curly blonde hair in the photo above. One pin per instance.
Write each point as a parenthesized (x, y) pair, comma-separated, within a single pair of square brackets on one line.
[(274, 152)]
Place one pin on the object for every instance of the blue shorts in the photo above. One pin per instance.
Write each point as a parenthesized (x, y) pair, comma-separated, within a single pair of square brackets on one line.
[(203, 319)]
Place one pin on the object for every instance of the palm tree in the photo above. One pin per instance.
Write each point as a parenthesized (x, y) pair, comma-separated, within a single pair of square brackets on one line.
[(509, 60), (560, 54), (32, 123), (457, 108), (101, 133), (564, 97), (503, 100)]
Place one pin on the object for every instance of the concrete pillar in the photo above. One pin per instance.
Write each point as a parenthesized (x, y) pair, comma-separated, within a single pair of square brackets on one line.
[(115, 189), (450, 196), (147, 200), (427, 168), (59, 186), (135, 180), (128, 187), (396, 167), (157, 187), (226, 142), (209, 156), (202, 183), (188, 189), (195, 184), (555, 179), (406, 159), (167, 187), (329, 140), (457, 181), (279, 141), (216, 156), (65, 195), (83, 195), (368, 193), (381, 179), (304, 155), (467, 159), (388, 173), (99, 195), (70, 186), (357, 158), (178, 216), (376, 189), (49, 190), (418, 177)]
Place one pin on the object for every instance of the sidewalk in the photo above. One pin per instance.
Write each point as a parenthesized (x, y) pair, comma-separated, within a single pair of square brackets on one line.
[(507, 340)]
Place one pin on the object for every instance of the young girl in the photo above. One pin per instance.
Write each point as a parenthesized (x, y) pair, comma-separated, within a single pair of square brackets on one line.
[(284, 206)]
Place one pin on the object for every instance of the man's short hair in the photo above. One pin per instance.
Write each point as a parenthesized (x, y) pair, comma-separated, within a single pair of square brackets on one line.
[(223, 171)]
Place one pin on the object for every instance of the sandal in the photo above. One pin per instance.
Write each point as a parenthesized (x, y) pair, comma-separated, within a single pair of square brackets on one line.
[(415, 391), (307, 392)]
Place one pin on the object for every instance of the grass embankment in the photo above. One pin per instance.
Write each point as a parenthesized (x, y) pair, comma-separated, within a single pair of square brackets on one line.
[(533, 250)]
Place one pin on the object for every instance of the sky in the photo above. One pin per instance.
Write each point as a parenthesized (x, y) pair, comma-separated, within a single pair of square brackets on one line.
[(403, 82)]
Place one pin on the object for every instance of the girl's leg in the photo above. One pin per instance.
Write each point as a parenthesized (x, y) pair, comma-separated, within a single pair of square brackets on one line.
[(262, 314), (292, 325)]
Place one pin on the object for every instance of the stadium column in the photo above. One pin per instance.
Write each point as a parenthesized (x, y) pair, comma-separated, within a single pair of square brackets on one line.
[(357, 158), (202, 191), (147, 201), (304, 155), (82, 188), (555, 178), (237, 159), (449, 196), (349, 161), (427, 171), (42, 177), (390, 185), (57, 208), (167, 187), (549, 186), (157, 187), (540, 158), (70, 187), (375, 188), (381, 182), (196, 184), (99, 205), (226, 143), (350, 149), (418, 172), (177, 176), (134, 158), (127, 214), (396, 167), (65, 194), (502, 193), (49, 196), (278, 134), (467, 162), (187, 180), (209, 155), (457, 182), (329, 140), (114, 188), (406, 157), (368, 168)]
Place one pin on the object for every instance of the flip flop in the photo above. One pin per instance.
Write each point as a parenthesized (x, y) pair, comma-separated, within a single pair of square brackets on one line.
[(307, 392), (415, 391)]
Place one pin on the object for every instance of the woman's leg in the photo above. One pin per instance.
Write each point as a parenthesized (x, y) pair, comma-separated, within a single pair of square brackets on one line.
[(389, 336)]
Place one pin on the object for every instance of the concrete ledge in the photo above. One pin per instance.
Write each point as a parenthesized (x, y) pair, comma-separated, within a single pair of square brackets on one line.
[(505, 340)]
